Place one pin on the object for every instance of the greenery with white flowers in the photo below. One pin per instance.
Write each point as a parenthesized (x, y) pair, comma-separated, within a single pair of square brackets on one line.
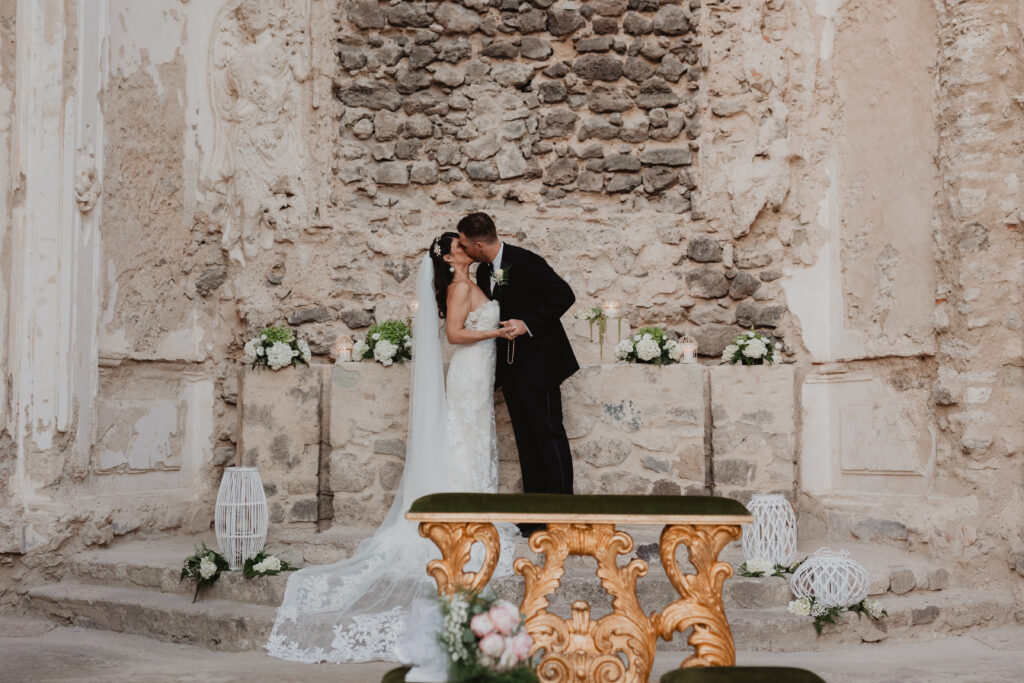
[(204, 566), (649, 345), (275, 348), (387, 343), (752, 348)]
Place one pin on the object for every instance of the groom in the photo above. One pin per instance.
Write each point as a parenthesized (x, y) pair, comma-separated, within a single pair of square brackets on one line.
[(533, 364)]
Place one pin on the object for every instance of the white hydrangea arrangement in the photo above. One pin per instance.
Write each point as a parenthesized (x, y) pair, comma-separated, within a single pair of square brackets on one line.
[(752, 348), (387, 343), (649, 345), (263, 564), (276, 347), (809, 607)]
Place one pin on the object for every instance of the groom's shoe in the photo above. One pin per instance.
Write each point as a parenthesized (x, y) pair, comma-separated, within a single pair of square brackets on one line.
[(527, 529)]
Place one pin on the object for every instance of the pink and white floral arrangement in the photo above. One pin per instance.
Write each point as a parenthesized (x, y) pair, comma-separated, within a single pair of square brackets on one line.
[(486, 640)]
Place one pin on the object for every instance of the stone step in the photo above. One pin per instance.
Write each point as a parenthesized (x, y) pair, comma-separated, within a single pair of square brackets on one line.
[(916, 616), (890, 568), (157, 566), (215, 624), (232, 625)]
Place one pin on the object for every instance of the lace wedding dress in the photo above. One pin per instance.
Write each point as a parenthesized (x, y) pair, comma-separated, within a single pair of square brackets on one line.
[(355, 610)]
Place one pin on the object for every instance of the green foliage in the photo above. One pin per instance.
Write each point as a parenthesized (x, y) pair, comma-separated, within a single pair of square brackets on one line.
[(825, 616), (779, 570), (279, 333), (192, 568), (249, 572), (656, 332)]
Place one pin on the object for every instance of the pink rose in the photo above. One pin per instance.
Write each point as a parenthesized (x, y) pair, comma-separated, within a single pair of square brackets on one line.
[(520, 645), (505, 617), (493, 646), (481, 625)]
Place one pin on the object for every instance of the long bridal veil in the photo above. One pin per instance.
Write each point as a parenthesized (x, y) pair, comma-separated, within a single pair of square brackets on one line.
[(354, 610)]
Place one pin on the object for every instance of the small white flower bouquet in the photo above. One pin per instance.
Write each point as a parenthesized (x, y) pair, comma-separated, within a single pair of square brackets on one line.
[(649, 345), (387, 343), (262, 564), (276, 347), (752, 348), (485, 640), (204, 567), (823, 614)]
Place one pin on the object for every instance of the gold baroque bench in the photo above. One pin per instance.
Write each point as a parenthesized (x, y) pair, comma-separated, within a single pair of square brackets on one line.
[(581, 650)]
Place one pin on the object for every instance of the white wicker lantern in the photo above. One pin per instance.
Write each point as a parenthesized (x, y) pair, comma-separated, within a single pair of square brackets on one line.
[(241, 515), (772, 536), (831, 578)]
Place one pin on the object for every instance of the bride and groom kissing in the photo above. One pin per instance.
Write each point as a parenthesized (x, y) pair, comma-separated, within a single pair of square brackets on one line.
[(531, 356), (505, 326)]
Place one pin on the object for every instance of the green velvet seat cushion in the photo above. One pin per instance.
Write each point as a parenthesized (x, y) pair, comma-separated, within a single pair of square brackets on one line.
[(741, 674), (395, 675), (559, 504)]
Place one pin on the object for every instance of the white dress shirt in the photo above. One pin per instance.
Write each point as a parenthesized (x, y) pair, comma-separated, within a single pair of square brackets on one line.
[(496, 263)]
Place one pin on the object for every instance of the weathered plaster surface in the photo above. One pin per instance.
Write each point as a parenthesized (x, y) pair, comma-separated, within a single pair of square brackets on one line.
[(848, 180)]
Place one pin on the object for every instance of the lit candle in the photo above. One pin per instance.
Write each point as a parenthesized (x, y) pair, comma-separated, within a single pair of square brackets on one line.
[(689, 346), (612, 309), (343, 348)]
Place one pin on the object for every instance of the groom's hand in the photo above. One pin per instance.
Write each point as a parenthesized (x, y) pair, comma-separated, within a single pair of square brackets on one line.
[(517, 327)]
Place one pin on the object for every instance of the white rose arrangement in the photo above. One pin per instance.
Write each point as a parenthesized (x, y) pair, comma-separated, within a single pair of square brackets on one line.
[(752, 348), (276, 348), (649, 345), (387, 343), (485, 639)]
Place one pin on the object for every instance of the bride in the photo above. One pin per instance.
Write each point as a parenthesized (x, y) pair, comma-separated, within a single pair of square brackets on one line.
[(355, 610)]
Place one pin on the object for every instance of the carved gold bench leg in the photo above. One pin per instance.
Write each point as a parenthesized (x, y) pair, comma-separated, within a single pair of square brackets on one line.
[(455, 539), (700, 605), (582, 650)]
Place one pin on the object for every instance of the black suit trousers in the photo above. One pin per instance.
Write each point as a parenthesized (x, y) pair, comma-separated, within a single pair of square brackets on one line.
[(544, 458)]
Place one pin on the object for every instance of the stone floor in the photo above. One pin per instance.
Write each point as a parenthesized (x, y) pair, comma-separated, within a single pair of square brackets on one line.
[(36, 651)]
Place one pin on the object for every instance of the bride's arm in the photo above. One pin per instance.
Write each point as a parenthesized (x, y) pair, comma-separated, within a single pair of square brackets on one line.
[(458, 310)]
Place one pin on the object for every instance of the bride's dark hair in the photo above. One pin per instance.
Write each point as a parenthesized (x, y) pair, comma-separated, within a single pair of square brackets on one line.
[(439, 248)]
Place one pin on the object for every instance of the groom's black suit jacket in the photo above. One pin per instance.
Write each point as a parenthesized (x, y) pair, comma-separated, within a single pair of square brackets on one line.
[(536, 295)]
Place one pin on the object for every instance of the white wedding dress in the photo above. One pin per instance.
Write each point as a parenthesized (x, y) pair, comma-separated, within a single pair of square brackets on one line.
[(355, 610)]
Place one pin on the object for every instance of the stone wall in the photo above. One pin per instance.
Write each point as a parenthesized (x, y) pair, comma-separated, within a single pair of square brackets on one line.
[(791, 180), (633, 429), (562, 98)]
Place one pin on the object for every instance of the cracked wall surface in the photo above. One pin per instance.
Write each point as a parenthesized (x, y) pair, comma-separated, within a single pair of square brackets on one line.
[(841, 175)]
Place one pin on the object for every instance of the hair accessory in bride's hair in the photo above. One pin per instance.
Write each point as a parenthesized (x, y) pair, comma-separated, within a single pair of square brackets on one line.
[(437, 248)]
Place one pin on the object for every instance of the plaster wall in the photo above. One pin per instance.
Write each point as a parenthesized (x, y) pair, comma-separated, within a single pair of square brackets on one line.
[(851, 186)]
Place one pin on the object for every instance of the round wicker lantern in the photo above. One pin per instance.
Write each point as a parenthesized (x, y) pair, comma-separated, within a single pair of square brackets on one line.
[(772, 536), (241, 516), (831, 578)]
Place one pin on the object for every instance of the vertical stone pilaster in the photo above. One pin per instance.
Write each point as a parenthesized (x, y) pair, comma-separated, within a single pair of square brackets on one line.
[(280, 435), (753, 430)]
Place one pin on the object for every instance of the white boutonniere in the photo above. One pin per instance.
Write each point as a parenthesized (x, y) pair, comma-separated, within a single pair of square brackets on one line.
[(500, 276)]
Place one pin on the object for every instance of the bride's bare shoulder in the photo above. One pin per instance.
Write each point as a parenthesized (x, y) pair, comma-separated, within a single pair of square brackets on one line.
[(459, 291)]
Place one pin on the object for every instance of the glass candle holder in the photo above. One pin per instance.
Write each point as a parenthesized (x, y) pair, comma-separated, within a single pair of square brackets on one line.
[(343, 349)]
